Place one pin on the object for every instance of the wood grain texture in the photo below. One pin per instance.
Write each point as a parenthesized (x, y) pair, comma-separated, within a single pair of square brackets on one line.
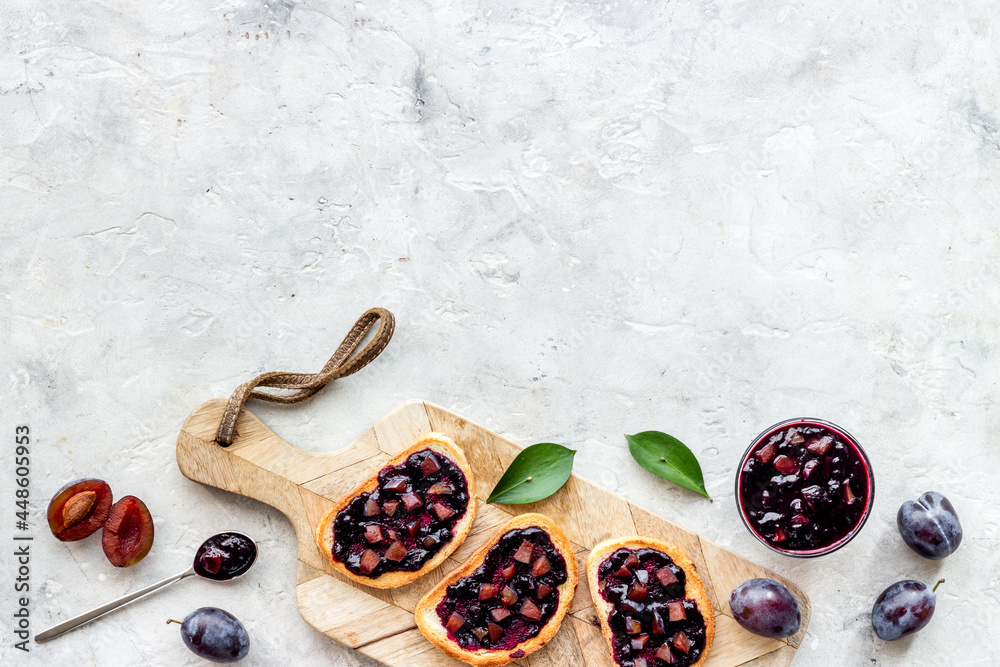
[(379, 623)]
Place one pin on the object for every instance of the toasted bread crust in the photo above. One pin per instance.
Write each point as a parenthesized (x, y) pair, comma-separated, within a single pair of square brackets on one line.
[(430, 625), (694, 589), (438, 443)]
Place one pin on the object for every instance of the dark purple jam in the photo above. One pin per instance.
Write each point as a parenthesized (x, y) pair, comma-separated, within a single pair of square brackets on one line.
[(652, 623), (407, 519), (225, 556), (804, 487), (509, 597)]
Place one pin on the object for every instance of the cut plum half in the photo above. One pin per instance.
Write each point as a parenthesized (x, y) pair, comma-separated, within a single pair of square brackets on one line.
[(128, 532), (79, 509)]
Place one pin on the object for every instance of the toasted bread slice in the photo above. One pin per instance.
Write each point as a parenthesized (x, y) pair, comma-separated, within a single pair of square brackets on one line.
[(431, 626), (694, 589), (440, 444)]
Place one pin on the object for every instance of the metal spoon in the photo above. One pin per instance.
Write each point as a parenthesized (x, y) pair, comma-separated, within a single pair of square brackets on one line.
[(206, 564)]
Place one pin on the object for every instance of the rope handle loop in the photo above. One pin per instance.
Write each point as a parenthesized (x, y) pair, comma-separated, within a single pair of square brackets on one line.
[(343, 363)]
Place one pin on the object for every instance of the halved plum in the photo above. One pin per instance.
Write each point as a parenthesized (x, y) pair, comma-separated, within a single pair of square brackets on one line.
[(128, 532), (79, 509)]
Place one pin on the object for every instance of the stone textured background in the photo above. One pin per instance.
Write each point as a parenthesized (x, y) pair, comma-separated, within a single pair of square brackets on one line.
[(589, 218)]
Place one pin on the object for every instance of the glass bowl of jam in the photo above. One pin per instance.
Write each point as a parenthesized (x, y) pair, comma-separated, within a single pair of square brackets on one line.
[(805, 488)]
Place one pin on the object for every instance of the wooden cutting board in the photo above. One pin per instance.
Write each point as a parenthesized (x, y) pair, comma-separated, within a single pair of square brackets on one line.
[(379, 623)]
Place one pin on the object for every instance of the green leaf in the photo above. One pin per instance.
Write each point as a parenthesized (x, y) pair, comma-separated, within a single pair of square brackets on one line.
[(536, 473), (668, 457)]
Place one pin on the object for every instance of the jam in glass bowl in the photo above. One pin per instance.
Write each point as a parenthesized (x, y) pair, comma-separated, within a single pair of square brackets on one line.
[(805, 487)]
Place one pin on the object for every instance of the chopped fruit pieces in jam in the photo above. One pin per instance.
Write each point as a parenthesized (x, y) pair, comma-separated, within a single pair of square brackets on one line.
[(504, 595), (786, 465), (540, 566), (523, 553), (820, 445), (401, 524), (658, 627), (767, 453), (396, 551), (666, 655), (666, 576), (429, 465), (369, 561), (499, 614), (805, 493), (411, 501), (454, 623), (638, 592), (443, 511), (531, 611), (397, 484), (662, 627)]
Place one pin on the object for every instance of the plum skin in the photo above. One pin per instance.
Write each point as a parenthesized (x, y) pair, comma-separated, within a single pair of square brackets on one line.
[(902, 609), (765, 608), (930, 526), (215, 634)]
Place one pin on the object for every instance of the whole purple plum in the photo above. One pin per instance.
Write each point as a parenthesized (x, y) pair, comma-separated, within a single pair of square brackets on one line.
[(766, 608), (930, 525), (903, 608)]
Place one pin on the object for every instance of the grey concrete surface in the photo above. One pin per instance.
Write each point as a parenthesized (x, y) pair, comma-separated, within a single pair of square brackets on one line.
[(589, 218)]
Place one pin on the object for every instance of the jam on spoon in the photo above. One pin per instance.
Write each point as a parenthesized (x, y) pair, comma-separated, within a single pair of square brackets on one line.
[(224, 556), (230, 554)]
